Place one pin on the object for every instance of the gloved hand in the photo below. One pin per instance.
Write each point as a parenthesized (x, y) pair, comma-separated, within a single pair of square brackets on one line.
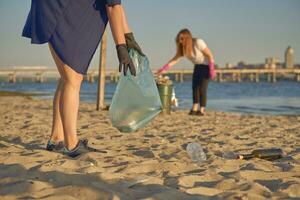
[(131, 43), (124, 60), (163, 69), (212, 71)]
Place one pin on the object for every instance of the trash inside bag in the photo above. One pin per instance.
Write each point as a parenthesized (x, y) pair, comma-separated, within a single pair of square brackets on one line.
[(136, 100)]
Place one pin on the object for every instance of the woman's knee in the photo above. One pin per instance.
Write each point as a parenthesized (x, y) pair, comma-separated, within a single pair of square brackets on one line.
[(203, 90), (72, 81), (72, 78)]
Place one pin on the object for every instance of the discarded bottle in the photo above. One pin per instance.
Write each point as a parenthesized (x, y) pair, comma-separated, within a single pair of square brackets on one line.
[(230, 155), (196, 153), (267, 154)]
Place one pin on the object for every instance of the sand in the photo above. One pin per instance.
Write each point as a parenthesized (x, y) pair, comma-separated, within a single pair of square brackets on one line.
[(151, 163)]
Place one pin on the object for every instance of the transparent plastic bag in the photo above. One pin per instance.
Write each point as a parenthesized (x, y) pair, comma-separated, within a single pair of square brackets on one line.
[(136, 100)]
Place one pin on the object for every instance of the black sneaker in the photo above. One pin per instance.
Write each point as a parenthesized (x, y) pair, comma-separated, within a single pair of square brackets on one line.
[(81, 148), (192, 112), (200, 113), (52, 146)]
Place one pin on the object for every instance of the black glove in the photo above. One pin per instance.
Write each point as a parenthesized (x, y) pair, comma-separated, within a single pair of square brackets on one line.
[(124, 60), (131, 43)]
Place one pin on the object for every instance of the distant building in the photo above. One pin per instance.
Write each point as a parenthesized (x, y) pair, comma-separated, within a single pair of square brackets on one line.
[(241, 65), (271, 63), (229, 66), (289, 58), (244, 65), (267, 63)]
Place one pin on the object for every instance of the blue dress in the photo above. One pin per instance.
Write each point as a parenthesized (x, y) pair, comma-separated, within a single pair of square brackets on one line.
[(74, 28)]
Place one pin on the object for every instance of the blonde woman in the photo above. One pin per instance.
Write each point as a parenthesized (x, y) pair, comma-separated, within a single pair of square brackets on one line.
[(197, 51), (73, 29)]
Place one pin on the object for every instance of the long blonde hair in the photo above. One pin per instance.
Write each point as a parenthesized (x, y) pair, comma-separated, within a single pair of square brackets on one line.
[(184, 43)]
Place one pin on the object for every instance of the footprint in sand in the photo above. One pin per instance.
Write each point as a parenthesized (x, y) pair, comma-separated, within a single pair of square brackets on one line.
[(272, 185)]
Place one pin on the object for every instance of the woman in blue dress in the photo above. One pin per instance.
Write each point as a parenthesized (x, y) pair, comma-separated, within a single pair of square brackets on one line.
[(73, 30)]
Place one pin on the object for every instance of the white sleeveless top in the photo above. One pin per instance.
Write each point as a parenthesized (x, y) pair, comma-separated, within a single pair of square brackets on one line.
[(197, 56)]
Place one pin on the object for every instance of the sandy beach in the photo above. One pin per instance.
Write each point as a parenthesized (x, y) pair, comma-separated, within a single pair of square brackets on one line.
[(151, 163)]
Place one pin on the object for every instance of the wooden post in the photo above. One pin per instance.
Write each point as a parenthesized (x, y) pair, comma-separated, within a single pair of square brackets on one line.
[(251, 77), (220, 77), (239, 77), (102, 66), (12, 78), (181, 79), (177, 77), (257, 77), (111, 75), (116, 75), (274, 77), (90, 77), (39, 77), (234, 77)]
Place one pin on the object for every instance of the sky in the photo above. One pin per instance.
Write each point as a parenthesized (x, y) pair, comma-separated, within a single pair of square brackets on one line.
[(235, 30)]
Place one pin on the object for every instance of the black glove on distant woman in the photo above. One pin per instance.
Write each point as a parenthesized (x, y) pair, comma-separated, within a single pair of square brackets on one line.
[(124, 60), (131, 43)]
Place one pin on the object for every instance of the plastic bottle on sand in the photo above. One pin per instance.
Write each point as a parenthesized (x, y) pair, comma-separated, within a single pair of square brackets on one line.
[(196, 153)]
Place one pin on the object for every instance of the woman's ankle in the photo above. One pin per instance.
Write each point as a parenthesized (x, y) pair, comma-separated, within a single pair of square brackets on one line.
[(72, 146), (56, 139), (195, 107), (202, 110)]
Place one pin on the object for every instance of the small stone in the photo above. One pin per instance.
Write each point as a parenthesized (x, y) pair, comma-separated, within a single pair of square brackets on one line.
[(144, 154)]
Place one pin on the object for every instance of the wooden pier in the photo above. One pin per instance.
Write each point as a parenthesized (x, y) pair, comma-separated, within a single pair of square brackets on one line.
[(42, 74)]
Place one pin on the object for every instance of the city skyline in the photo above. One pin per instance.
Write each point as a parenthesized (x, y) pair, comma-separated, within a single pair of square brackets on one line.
[(240, 31)]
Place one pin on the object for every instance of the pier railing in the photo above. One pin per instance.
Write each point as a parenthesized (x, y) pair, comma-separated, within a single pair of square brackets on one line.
[(41, 74)]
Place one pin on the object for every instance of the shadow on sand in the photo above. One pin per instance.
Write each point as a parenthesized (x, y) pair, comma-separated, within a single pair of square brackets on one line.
[(18, 182)]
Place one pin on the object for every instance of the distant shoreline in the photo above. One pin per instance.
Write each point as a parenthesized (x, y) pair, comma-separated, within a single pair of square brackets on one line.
[(281, 98)]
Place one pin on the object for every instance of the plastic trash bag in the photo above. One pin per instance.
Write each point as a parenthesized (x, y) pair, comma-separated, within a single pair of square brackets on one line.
[(136, 100)]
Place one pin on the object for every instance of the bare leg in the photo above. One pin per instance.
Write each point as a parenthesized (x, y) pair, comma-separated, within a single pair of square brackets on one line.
[(57, 133), (69, 101), (69, 105)]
